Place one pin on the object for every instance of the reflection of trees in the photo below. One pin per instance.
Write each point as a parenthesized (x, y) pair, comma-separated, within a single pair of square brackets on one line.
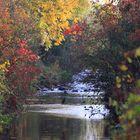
[(92, 130), (35, 126), (28, 127)]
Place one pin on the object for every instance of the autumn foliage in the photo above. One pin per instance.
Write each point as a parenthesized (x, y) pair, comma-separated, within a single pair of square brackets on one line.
[(114, 52), (107, 39), (74, 29), (24, 26), (18, 72), (22, 71)]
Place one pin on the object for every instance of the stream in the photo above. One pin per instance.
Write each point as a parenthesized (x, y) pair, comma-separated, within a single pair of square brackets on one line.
[(77, 113), (43, 126)]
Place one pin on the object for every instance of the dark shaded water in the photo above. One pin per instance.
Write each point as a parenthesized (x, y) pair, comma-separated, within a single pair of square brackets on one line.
[(39, 126)]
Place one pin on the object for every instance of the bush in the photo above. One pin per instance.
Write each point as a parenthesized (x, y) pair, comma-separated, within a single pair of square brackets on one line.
[(54, 75)]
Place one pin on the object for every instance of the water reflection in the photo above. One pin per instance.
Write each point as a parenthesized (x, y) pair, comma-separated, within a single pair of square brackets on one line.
[(39, 126)]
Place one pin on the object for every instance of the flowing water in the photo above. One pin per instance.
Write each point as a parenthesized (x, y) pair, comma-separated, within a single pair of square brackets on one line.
[(42, 126), (75, 114), (61, 122)]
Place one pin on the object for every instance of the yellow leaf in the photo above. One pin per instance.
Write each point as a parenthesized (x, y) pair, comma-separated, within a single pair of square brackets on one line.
[(123, 67), (118, 85), (129, 60), (137, 52), (118, 79)]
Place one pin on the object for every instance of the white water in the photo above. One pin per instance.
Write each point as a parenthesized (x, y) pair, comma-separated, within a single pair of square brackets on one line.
[(74, 111), (77, 86)]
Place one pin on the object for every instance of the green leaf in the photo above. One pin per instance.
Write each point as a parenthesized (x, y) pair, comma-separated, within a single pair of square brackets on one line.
[(137, 108), (138, 83)]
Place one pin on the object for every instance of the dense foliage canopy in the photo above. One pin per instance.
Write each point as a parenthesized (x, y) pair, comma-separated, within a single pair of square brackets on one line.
[(25, 25), (102, 36)]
